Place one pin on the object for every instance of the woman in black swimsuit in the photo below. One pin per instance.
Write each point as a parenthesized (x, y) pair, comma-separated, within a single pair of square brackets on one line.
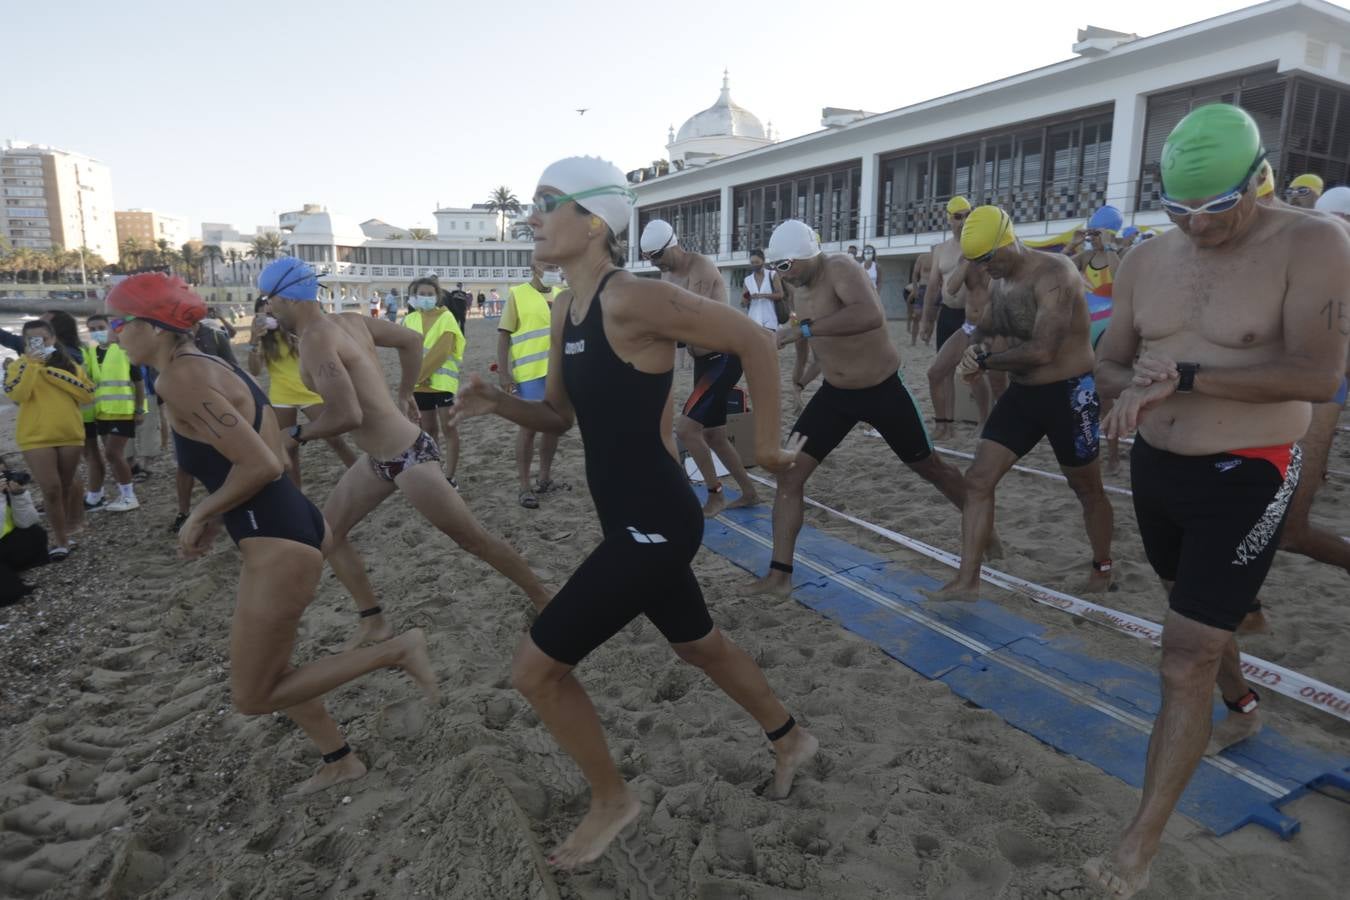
[(610, 368), (226, 436)]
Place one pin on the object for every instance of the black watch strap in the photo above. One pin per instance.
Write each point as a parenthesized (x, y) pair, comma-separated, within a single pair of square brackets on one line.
[(295, 433), (1186, 372)]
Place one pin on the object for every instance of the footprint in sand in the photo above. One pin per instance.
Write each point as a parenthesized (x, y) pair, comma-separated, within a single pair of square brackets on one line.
[(403, 720)]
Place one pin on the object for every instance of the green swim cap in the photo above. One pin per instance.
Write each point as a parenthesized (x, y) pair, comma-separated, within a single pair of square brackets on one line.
[(1210, 152)]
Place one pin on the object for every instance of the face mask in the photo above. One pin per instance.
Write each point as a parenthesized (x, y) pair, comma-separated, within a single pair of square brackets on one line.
[(551, 278), (100, 337), (420, 302), (1087, 244), (270, 323), (869, 255)]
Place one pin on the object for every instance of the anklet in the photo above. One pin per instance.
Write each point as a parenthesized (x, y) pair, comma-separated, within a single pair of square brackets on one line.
[(337, 754), (1245, 704), (790, 724), (776, 566), (1103, 566), (373, 611)]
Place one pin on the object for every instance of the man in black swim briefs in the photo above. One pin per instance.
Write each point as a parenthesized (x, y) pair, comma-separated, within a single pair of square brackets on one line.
[(1036, 303), (843, 322), (1230, 313), (702, 427)]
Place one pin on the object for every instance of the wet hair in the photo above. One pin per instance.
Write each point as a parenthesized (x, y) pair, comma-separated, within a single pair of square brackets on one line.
[(64, 327), (612, 245), (60, 358)]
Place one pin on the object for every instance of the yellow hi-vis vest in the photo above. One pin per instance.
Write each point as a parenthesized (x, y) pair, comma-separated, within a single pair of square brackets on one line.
[(445, 379), (114, 395), (9, 520), (91, 369), (530, 341)]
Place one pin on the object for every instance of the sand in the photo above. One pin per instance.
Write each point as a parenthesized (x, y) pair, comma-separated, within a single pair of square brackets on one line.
[(124, 772)]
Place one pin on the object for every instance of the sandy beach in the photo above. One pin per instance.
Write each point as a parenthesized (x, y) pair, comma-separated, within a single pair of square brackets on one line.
[(124, 772)]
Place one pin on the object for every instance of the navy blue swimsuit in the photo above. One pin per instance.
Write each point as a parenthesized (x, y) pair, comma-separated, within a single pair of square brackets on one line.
[(279, 510)]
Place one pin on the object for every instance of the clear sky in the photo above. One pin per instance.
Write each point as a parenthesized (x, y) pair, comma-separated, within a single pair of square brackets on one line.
[(235, 111)]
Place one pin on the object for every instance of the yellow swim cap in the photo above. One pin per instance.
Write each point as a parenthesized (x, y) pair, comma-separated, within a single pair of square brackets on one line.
[(1265, 184), (987, 229), (958, 204), (1314, 182)]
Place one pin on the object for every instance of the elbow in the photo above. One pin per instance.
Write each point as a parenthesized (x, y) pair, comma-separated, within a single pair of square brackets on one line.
[(271, 472)]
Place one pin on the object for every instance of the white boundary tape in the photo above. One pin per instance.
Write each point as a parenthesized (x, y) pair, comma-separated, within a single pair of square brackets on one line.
[(1143, 726), (1314, 693), (1109, 488)]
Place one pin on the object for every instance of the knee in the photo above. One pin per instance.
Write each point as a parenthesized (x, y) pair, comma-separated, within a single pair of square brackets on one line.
[(1188, 667), (249, 701), (979, 484), (688, 430), (703, 652), (531, 681)]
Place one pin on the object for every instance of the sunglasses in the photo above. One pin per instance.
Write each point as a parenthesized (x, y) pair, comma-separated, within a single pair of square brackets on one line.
[(1222, 203), (547, 203), (959, 217), (116, 325), (1298, 192)]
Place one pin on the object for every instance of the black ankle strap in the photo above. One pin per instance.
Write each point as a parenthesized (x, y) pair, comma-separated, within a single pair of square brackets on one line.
[(779, 733), (373, 611), (337, 754), (776, 566)]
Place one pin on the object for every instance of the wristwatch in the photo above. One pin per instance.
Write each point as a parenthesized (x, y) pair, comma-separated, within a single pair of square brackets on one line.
[(1186, 380), (294, 432), (805, 327), (981, 360)]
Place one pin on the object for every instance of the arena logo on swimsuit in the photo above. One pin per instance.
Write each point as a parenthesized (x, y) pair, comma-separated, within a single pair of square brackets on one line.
[(572, 348)]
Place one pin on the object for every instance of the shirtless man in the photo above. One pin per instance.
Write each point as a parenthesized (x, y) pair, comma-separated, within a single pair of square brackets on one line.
[(919, 280), (948, 301), (702, 426), (1036, 302), (338, 362), (1242, 314), (842, 319)]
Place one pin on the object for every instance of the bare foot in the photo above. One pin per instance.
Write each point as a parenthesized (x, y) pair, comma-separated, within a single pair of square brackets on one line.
[(1098, 583), (349, 768), (778, 584), (1255, 622), (717, 502), (414, 660), (1233, 729), (371, 630), (601, 825), (792, 751), (747, 498), (1119, 881), (955, 590)]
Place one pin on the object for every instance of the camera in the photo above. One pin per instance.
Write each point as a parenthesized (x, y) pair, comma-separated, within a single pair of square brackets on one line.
[(16, 477)]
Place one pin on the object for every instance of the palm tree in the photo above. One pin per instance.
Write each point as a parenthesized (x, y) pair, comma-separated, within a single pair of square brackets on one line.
[(503, 203), (130, 252), (267, 245), (233, 257), (192, 261), (420, 234), (211, 254)]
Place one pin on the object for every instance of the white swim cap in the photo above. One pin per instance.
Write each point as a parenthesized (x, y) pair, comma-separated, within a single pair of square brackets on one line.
[(793, 239), (605, 189), (1336, 200), (658, 235)]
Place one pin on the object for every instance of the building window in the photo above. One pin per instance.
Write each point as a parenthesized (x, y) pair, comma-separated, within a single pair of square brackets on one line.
[(438, 257), (1262, 94), (697, 222), (352, 255), (826, 199), (1054, 169)]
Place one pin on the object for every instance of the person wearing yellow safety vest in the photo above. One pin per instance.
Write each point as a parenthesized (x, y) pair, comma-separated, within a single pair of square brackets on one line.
[(119, 398), (438, 380), (522, 368), (23, 542)]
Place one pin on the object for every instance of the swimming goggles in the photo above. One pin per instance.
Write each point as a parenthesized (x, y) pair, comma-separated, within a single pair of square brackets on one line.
[(782, 265), (1222, 203), (547, 203), (116, 325), (656, 255)]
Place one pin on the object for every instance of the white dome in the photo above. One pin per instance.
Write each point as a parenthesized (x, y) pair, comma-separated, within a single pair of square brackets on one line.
[(723, 119)]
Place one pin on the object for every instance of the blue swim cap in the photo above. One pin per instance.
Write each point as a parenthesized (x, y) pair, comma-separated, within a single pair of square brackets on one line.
[(289, 278), (1108, 218), (1129, 232)]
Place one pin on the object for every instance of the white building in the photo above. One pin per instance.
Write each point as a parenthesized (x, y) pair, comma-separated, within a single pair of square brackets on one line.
[(475, 223), (1049, 145), (288, 220), (722, 129), (355, 265), (56, 198), (149, 227)]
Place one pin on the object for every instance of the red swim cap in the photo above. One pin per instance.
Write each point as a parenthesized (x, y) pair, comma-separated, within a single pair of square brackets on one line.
[(165, 300)]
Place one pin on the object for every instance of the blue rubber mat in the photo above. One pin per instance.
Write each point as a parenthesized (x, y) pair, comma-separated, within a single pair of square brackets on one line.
[(1099, 710)]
